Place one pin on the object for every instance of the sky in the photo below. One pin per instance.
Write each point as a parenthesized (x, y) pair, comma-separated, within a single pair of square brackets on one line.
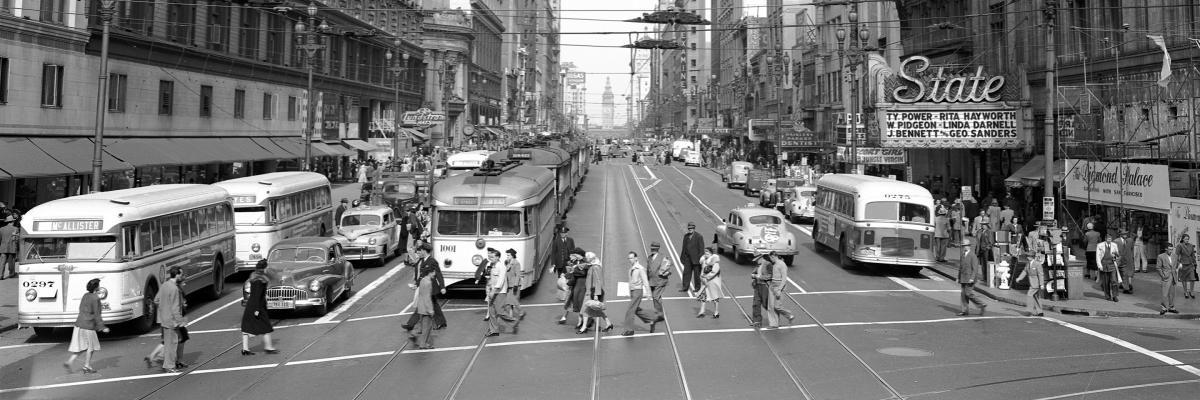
[(601, 62)]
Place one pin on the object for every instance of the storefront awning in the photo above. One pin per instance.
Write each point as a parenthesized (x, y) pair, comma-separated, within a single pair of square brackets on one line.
[(1033, 173), (415, 134), (246, 149), (291, 145), (142, 152), (323, 150), (19, 157), (77, 154), (359, 145)]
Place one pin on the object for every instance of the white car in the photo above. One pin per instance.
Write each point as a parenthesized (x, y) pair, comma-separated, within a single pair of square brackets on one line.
[(802, 203), (691, 157), (753, 230), (369, 233)]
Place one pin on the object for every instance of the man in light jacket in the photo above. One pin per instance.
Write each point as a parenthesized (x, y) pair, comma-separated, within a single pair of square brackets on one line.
[(1168, 271), (170, 317), (659, 272), (639, 286)]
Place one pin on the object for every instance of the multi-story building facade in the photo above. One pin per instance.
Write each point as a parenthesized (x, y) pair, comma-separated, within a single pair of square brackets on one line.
[(198, 91), (608, 112)]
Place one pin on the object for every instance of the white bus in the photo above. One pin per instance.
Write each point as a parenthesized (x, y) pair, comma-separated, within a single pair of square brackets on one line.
[(276, 206), (507, 207), (128, 239), (868, 219), (678, 146), (459, 163)]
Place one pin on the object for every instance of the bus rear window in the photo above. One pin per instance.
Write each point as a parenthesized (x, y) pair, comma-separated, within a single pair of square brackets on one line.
[(501, 223), (92, 248), (765, 220), (896, 211), (451, 222)]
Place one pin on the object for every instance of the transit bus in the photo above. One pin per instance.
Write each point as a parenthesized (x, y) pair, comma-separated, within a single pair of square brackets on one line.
[(458, 163), (507, 206), (271, 207), (874, 220), (128, 239)]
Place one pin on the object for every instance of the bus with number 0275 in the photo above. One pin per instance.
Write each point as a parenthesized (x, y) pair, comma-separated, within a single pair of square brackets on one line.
[(128, 239), (874, 220), (271, 207)]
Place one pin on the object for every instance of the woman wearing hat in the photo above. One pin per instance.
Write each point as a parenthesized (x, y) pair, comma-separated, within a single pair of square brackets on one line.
[(594, 285), (83, 335), (570, 303)]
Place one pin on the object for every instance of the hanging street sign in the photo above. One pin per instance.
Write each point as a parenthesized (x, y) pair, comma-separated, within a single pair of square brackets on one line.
[(423, 116)]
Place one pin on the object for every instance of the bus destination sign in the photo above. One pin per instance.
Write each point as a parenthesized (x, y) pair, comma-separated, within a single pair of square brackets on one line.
[(244, 199), (68, 225)]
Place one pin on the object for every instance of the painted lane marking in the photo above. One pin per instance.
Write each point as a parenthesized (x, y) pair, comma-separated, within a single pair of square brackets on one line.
[(339, 358), (214, 370), (91, 382), (904, 283), (210, 313), (656, 181), (438, 349), (1144, 385), (692, 183), (648, 171), (521, 342), (362, 292), (17, 346), (1121, 342)]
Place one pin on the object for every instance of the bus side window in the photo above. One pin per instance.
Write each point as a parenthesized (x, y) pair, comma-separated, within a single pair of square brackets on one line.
[(129, 241), (156, 242), (144, 232)]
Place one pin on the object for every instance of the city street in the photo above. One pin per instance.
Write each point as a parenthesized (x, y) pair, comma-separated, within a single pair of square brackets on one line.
[(858, 334)]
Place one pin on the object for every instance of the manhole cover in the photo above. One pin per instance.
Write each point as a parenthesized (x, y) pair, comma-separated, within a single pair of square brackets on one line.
[(888, 331), (905, 352)]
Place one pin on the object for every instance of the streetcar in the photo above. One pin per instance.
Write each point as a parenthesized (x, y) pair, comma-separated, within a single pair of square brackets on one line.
[(502, 206), (874, 220), (554, 159), (459, 163), (128, 239), (271, 207)]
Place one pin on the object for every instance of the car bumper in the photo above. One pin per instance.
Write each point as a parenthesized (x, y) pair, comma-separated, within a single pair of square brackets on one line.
[(892, 261), (62, 320), (356, 253), (246, 264)]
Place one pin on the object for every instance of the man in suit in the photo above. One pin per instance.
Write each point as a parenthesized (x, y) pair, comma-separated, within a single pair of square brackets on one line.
[(968, 269), (659, 272), (562, 250), (10, 237), (760, 283), (170, 317), (1125, 261), (1107, 254), (689, 258), (424, 260), (1168, 271), (941, 233)]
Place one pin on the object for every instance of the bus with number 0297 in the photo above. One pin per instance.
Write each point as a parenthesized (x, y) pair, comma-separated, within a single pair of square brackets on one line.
[(128, 239), (874, 220), (271, 207)]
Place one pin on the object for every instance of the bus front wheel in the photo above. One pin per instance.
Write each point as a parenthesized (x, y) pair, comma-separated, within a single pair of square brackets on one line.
[(149, 316)]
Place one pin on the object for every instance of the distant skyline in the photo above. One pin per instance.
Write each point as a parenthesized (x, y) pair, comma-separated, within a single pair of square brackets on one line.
[(598, 55)]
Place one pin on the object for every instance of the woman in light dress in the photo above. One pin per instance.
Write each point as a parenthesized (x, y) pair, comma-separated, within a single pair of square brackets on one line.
[(83, 335), (710, 277)]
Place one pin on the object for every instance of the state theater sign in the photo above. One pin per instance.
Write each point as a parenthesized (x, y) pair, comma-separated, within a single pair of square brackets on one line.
[(923, 106)]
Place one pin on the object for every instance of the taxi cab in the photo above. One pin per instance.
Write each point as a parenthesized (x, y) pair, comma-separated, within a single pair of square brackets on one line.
[(775, 192), (737, 173), (753, 230), (801, 204), (369, 233)]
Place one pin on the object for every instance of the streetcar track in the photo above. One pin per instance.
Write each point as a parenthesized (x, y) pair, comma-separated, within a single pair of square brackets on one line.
[(792, 375), (883, 382), (595, 391), (389, 361)]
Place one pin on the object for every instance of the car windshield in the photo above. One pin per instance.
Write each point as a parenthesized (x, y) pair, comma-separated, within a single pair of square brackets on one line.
[(764, 220), (91, 248), (400, 188), (297, 254), (896, 211), (361, 219)]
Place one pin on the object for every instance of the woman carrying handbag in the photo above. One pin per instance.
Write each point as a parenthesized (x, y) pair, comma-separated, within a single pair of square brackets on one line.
[(255, 321), (594, 307)]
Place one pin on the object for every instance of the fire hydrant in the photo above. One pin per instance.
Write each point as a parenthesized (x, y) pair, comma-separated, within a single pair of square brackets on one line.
[(1003, 274)]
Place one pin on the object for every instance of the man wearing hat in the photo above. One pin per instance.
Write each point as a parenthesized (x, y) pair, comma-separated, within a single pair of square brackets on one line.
[(689, 258), (659, 271), (10, 238), (760, 283), (563, 245), (1125, 261), (341, 209), (968, 270), (1107, 254)]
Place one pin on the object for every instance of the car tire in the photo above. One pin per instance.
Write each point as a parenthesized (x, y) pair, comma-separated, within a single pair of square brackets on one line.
[(737, 257), (323, 309)]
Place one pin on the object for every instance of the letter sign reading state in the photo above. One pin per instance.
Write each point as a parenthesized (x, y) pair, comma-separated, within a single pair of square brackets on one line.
[(946, 90)]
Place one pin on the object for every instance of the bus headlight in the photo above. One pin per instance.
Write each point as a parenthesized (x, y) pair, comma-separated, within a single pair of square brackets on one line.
[(30, 295), (314, 286), (371, 241), (255, 247), (476, 260), (102, 293)]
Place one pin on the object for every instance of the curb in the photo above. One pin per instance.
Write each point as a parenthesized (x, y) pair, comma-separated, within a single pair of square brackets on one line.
[(7, 327), (1073, 310)]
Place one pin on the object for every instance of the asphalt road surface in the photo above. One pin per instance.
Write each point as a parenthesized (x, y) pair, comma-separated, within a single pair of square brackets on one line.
[(858, 334)]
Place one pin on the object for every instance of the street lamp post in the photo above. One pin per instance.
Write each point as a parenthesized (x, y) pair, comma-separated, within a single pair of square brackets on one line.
[(776, 62), (107, 7), (397, 70), (310, 48), (855, 53)]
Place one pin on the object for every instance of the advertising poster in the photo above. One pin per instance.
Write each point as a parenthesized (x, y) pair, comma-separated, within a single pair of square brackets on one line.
[(1184, 217), (1138, 186)]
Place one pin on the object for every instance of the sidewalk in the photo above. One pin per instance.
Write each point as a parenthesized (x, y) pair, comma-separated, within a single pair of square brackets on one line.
[(1143, 303)]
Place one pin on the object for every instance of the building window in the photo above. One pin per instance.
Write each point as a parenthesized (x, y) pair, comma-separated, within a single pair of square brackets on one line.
[(116, 92), (54, 11), (181, 21), (248, 33), (52, 85), (268, 105), (693, 63), (206, 98), (276, 29), (3, 80), (136, 16), (291, 111), (166, 97), (218, 27), (239, 103)]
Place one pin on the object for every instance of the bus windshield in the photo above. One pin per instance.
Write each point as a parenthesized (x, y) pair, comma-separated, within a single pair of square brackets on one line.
[(256, 215), (491, 223), (361, 219), (501, 223), (91, 248), (297, 254), (408, 188), (896, 211)]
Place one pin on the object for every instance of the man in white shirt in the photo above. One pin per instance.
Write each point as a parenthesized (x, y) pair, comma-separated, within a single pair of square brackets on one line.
[(497, 289), (1107, 254), (639, 286)]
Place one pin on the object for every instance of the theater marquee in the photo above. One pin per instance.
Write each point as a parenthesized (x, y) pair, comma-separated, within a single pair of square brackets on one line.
[(940, 107)]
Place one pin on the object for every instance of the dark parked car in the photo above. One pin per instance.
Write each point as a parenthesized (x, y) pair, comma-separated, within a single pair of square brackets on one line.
[(306, 273)]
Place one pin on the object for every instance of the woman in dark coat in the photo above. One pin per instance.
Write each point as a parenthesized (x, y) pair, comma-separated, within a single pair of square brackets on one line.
[(254, 317), (578, 274)]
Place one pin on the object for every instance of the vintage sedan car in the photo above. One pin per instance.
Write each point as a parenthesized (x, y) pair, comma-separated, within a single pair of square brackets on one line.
[(306, 273), (369, 233), (775, 193), (802, 203), (736, 174), (399, 192), (751, 230)]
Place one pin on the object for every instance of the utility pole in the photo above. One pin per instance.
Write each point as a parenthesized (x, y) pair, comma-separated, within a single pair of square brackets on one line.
[(1048, 120)]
